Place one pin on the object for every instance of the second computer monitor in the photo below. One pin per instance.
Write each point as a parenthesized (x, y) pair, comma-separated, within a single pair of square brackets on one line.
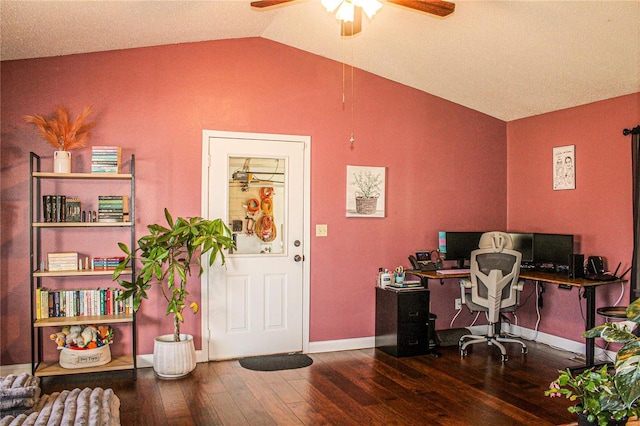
[(523, 243), (553, 250)]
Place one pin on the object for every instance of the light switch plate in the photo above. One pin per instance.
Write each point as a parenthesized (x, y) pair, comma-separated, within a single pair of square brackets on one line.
[(321, 230)]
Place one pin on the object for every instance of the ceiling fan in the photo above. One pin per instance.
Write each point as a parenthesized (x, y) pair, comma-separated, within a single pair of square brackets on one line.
[(350, 11)]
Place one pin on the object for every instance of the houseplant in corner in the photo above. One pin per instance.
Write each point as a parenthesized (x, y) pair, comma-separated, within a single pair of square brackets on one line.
[(167, 255), (603, 397)]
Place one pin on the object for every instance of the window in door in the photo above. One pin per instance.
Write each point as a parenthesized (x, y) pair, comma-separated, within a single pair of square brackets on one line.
[(257, 197)]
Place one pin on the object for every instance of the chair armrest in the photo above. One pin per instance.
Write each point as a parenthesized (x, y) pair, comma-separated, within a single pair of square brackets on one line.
[(465, 283)]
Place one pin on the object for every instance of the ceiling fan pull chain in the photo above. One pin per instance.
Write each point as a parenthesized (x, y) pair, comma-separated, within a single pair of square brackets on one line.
[(343, 72), (353, 97)]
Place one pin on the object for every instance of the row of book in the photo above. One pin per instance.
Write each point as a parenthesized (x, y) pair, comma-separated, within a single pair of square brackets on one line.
[(80, 302), (113, 208), (107, 262), (60, 208), (71, 261), (106, 159)]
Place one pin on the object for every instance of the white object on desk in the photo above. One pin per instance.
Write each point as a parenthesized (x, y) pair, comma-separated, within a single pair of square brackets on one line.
[(453, 271)]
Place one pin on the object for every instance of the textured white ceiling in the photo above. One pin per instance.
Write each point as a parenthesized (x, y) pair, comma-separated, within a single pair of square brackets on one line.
[(508, 59)]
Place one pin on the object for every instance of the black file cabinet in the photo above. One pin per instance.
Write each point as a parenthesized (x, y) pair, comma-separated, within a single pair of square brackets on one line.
[(402, 322)]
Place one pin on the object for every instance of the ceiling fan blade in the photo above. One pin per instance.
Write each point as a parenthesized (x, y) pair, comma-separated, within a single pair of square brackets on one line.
[(268, 3), (349, 29), (434, 7)]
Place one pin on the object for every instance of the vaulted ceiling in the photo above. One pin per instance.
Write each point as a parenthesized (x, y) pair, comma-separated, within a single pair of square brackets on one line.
[(507, 59)]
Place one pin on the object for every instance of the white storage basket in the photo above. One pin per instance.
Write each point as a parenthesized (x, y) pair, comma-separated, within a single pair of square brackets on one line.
[(81, 358)]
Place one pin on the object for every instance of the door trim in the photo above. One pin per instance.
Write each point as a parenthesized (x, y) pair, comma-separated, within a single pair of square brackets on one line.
[(306, 274)]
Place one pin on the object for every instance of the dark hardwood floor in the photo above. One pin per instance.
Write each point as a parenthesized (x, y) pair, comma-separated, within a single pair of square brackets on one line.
[(360, 387)]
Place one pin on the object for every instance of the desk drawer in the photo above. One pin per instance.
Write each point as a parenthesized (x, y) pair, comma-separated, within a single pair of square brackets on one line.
[(413, 308), (413, 329), (413, 344)]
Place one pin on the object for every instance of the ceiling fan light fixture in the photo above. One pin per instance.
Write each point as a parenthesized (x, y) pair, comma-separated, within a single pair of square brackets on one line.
[(370, 7), (346, 12), (331, 5)]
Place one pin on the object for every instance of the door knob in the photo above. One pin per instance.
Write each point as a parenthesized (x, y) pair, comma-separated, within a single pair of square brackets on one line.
[(297, 258)]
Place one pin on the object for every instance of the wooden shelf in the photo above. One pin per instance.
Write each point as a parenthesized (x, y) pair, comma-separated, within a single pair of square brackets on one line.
[(80, 272), (124, 362), (106, 176), (81, 224), (92, 319)]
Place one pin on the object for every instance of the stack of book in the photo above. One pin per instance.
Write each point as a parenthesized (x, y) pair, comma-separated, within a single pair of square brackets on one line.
[(113, 208), (64, 261), (105, 159), (406, 285), (80, 302), (54, 208), (107, 262)]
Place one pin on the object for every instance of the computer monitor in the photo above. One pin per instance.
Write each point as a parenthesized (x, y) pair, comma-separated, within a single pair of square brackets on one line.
[(523, 243), (458, 245), (552, 249)]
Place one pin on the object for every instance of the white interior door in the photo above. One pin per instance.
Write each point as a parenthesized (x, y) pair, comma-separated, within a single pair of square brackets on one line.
[(258, 303)]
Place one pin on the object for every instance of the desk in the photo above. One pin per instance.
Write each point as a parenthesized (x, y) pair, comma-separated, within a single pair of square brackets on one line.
[(589, 287)]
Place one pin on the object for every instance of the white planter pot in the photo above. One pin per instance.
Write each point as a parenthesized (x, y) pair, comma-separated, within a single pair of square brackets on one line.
[(174, 359)]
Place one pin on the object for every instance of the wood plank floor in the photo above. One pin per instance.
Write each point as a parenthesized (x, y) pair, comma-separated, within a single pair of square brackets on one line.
[(359, 387)]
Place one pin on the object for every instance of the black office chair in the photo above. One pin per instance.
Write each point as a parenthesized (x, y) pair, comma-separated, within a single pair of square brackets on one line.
[(494, 288)]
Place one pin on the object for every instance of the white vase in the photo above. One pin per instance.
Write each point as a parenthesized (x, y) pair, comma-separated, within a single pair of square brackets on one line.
[(62, 162), (174, 359)]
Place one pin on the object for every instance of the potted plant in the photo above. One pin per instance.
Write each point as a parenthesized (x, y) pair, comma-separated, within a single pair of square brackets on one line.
[(62, 134), (603, 397), (167, 255), (368, 184)]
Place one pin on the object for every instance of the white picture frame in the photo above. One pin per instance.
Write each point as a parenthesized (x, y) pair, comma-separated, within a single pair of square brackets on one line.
[(365, 191), (564, 167)]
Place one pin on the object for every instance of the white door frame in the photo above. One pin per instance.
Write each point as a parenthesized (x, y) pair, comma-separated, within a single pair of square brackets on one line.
[(306, 264)]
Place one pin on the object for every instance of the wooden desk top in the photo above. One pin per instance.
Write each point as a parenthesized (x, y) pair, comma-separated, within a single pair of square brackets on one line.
[(549, 277), (434, 275)]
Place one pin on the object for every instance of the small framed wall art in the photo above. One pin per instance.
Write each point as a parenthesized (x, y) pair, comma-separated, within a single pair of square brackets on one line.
[(365, 191), (564, 167)]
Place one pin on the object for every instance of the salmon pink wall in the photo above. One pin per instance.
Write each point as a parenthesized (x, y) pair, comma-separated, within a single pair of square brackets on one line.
[(446, 164), (598, 212)]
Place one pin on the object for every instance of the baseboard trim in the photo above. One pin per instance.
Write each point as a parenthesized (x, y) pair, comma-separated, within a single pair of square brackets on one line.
[(342, 345), (16, 369), (577, 348)]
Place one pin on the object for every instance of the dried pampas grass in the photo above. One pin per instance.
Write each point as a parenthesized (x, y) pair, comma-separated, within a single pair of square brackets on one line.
[(59, 132)]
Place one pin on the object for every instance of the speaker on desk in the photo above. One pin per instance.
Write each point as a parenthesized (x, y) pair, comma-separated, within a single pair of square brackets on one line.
[(576, 266)]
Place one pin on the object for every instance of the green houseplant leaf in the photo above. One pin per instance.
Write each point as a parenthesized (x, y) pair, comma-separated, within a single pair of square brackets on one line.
[(627, 364), (627, 376)]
